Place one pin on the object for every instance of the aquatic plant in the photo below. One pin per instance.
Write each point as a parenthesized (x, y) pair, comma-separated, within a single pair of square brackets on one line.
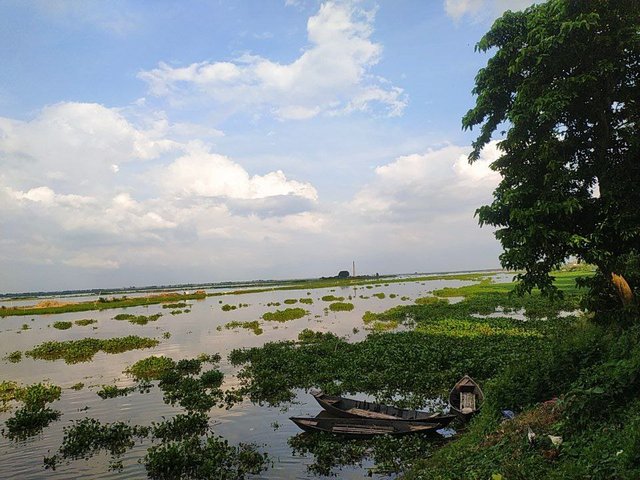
[(85, 321), (13, 357), (74, 351), (112, 391), (138, 319), (86, 437), (77, 386), (62, 325), (285, 315), (226, 307), (27, 422), (253, 326), (181, 426), (308, 301), (150, 368), (208, 457), (291, 301), (332, 298), (175, 305), (380, 295), (341, 307), (34, 415)]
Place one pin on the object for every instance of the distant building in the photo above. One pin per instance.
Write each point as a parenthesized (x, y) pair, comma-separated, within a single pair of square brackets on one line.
[(343, 274)]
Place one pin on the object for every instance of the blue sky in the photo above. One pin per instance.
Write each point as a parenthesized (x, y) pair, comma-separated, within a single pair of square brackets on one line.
[(165, 142)]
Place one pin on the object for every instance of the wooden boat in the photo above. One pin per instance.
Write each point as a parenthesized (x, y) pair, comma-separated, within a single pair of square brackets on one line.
[(466, 397), (350, 408), (362, 427)]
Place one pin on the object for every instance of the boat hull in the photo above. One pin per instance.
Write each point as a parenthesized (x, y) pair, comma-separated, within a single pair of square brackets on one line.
[(363, 427), (350, 408)]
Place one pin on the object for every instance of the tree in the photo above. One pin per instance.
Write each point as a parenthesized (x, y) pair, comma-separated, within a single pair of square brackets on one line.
[(563, 88)]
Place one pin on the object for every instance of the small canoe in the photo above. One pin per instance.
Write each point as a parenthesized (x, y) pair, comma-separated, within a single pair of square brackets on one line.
[(350, 408), (466, 397), (362, 427)]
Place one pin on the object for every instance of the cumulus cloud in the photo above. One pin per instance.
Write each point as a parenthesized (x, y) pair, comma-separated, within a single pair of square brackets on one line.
[(482, 10), (437, 182), (202, 173), (332, 76), (81, 186)]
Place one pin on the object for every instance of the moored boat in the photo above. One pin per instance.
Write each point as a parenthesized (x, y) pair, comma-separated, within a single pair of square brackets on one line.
[(351, 408), (363, 427), (466, 397)]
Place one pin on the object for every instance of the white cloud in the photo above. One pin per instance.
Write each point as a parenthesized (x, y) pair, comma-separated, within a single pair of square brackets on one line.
[(437, 182), (331, 76), (205, 174), (483, 10)]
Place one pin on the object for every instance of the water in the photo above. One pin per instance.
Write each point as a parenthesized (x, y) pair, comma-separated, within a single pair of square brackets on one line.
[(190, 334)]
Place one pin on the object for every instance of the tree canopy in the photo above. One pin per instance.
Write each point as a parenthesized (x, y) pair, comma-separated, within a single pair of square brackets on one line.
[(562, 91)]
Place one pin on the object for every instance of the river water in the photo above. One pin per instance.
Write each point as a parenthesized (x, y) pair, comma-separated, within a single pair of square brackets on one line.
[(190, 334)]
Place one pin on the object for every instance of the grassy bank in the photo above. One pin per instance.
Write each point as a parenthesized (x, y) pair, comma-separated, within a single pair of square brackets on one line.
[(47, 308), (523, 350)]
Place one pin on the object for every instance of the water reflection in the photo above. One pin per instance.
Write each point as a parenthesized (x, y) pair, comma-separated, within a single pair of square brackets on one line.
[(182, 336)]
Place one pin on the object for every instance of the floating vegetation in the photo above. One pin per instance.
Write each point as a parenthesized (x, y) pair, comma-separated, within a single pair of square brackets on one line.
[(166, 335), (112, 391), (49, 307), (138, 319), (13, 357), (253, 326), (392, 295), (390, 455), (34, 416), (26, 422), (285, 315), (378, 322), (208, 457), (74, 351), (380, 295), (291, 301), (175, 305), (85, 321), (62, 325), (77, 386), (226, 307), (404, 298), (273, 304), (308, 301), (89, 436), (8, 390), (341, 307), (332, 298), (150, 368), (181, 426)]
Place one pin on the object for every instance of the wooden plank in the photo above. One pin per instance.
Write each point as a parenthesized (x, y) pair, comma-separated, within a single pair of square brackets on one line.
[(369, 414)]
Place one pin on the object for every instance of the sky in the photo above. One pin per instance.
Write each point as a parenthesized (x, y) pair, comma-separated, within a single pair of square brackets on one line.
[(164, 142)]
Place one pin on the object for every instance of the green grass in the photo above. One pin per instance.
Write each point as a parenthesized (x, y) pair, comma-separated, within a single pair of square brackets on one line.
[(74, 351), (284, 315)]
